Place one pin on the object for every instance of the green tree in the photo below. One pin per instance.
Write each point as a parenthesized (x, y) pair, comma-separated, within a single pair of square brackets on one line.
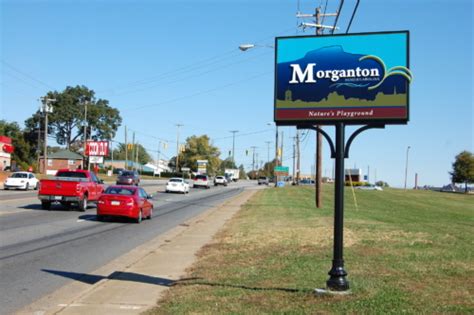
[(242, 174), (68, 117), (463, 169), (143, 156), (199, 148), (24, 152)]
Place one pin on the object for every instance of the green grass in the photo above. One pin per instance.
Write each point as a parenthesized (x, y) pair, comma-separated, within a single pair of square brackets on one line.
[(405, 252)]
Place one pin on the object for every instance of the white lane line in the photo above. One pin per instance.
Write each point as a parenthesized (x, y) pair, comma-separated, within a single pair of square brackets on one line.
[(80, 220)]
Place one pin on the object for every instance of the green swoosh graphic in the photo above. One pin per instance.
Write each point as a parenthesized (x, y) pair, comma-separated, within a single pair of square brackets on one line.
[(398, 70)]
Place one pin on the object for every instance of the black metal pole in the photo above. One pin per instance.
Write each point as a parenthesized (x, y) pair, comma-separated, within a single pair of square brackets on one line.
[(337, 280)]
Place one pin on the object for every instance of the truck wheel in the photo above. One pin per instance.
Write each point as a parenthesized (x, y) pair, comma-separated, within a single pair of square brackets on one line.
[(83, 204), (46, 205)]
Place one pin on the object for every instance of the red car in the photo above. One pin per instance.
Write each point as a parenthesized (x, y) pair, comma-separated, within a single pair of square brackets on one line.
[(125, 201)]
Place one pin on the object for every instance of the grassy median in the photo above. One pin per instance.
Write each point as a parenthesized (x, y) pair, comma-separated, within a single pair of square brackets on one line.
[(405, 252)]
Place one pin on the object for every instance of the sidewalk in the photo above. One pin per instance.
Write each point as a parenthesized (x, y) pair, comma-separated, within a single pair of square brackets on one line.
[(135, 281)]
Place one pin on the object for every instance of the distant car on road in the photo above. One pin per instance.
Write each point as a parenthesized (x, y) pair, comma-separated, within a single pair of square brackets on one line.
[(21, 180), (177, 184), (220, 180), (125, 201), (128, 178), (263, 180), (201, 181)]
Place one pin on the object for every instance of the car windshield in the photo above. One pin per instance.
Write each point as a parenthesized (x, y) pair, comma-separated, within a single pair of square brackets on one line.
[(219, 177), (176, 180), (203, 177), (19, 175), (127, 174), (120, 191), (263, 178)]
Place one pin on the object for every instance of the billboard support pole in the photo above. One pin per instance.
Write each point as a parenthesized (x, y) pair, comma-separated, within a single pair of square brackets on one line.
[(339, 151)]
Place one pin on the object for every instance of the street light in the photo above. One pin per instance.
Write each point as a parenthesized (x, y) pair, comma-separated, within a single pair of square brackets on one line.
[(245, 47), (406, 168)]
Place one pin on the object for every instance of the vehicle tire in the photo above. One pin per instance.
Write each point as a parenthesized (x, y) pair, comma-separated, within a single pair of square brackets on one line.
[(37, 186), (5, 188), (151, 214), (27, 186), (46, 205), (83, 204), (139, 219)]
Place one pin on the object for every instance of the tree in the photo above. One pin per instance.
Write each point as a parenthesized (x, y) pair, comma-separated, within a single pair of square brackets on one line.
[(68, 117), (242, 174), (143, 156), (463, 169), (24, 152), (199, 148)]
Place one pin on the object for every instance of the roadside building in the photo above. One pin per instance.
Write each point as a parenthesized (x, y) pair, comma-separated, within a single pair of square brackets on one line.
[(64, 159), (354, 175), (6, 149)]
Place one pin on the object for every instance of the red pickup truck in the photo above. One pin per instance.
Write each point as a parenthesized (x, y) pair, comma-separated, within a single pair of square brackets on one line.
[(70, 187)]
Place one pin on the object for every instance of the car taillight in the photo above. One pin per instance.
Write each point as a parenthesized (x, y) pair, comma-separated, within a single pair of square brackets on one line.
[(78, 188), (130, 202), (101, 202)]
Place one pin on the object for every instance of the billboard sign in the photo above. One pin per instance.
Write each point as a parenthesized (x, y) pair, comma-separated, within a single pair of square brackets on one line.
[(97, 148), (355, 79), (281, 170), (202, 166)]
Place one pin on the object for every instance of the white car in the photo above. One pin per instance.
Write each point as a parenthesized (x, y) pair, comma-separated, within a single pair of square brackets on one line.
[(21, 180), (177, 184), (201, 181), (220, 180)]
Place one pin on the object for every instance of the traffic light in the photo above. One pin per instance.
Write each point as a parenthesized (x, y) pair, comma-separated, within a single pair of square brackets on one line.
[(130, 146)]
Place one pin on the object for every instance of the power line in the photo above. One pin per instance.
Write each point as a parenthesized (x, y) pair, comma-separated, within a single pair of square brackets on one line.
[(27, 75)]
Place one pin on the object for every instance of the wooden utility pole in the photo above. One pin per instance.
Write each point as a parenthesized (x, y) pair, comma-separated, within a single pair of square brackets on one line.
[(126, 149), (298, 160)]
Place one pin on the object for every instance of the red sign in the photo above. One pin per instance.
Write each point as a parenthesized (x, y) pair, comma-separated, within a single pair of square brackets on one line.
[(97, 148), (8, 148)]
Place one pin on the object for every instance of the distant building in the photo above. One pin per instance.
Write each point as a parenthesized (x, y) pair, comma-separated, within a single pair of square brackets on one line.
[(64, 159), (354, 175), (6, 149)]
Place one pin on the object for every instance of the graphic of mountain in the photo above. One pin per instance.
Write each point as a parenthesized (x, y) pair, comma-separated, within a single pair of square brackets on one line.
[(335, 58)]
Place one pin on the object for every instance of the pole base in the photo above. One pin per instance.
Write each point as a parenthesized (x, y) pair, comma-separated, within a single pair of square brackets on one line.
[(337, 280), (325, 292)]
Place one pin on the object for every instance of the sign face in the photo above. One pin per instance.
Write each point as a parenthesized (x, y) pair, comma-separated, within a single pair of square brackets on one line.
[(355, 79), (185, 169), (202, 166), (96, 159), (97, 148), (281, 170)]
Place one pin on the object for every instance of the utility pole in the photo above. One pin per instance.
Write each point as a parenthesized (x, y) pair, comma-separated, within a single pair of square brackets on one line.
[(268, 150), (233, 144), (126, 149), (133, 151), (46, 109), (253, 157), (319, 138), (294, 160), (177, 147), (406, 168), (158, 157), (298, 161), (281, 149)]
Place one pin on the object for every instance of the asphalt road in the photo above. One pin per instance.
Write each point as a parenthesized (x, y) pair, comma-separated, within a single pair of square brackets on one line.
[(34, 242)]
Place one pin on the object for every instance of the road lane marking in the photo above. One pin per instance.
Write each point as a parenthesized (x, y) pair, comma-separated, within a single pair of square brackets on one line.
[(80, 220)]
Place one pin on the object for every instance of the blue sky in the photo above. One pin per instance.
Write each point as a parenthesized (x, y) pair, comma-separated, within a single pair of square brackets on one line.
[(167, 62)]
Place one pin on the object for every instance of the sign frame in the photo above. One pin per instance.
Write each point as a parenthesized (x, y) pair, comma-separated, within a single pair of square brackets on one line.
[(329, 122)]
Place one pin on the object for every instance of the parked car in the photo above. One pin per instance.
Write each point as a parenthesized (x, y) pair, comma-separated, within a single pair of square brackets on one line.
[(21, 180), (125, 201), (128, 178), (263, 180), (201, 181), (70, 187), (177, 184), (220, 180)]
